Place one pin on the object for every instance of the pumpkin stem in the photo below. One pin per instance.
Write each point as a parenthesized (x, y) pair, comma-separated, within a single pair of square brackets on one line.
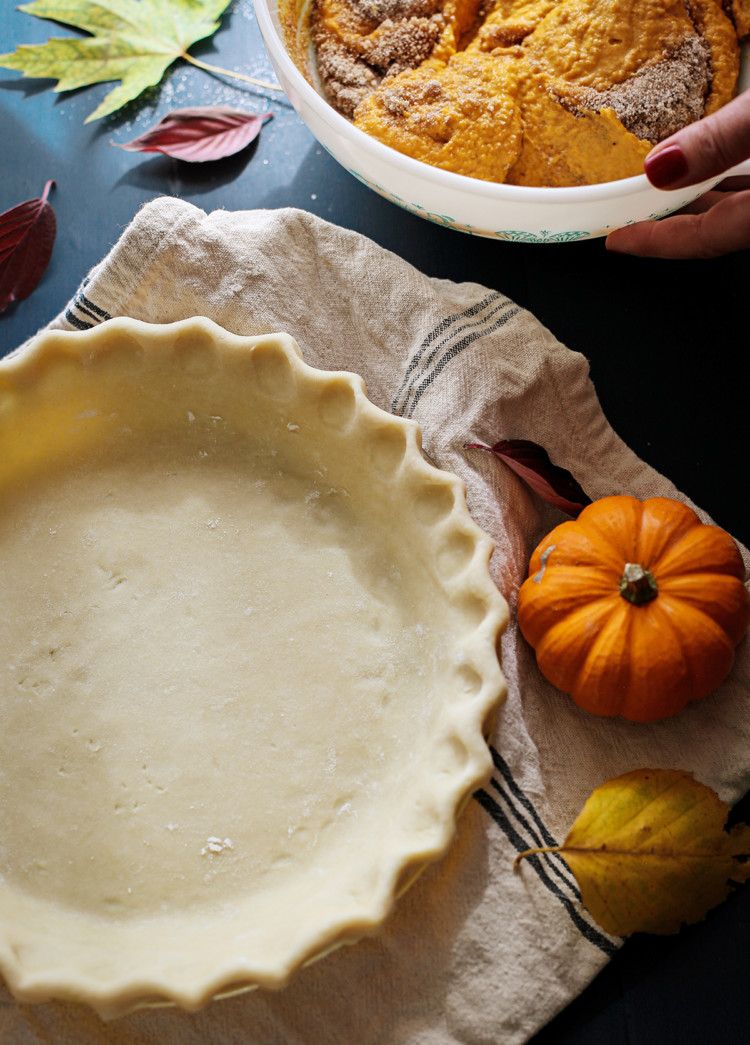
[(638, 585)]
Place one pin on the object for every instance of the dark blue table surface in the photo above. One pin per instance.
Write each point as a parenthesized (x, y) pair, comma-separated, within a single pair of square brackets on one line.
[(666, 341)]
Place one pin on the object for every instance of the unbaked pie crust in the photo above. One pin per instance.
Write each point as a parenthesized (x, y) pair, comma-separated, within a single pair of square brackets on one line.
[(248, 656)]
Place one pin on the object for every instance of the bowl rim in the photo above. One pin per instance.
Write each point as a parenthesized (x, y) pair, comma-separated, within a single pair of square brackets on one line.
[(266, 14)]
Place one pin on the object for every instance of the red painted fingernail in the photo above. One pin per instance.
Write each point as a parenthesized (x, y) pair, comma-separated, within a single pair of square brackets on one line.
[(665, 167)]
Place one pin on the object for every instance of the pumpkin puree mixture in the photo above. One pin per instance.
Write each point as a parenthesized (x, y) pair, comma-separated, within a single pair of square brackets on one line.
[(528, 92)]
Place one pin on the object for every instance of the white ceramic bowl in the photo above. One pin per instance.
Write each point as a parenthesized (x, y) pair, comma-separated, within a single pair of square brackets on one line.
[(504, 212)]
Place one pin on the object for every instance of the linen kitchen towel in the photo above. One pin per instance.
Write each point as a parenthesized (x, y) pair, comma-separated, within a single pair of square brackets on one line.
[(474, 953)]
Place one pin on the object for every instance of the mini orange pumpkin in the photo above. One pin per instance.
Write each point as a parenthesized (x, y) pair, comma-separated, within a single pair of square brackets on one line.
[(635, 608)]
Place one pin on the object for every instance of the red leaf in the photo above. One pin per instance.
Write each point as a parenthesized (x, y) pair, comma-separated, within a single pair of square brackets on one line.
[(207, 132), (532, 463), (27, 235)]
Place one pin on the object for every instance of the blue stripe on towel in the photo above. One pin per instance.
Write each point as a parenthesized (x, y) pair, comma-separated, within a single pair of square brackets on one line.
[(514, 813), (444, 342)]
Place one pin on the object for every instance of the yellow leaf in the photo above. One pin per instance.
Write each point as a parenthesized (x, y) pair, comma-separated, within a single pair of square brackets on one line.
[(133, 41), (650, 852)]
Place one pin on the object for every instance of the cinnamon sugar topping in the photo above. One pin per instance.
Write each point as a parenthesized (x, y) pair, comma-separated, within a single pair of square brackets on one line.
[(637, 70)]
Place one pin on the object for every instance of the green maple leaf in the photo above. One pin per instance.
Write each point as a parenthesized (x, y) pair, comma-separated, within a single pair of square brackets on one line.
[(133, 41)]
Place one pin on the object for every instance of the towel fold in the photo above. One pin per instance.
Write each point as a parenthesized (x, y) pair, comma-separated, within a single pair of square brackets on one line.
[(475, 953)]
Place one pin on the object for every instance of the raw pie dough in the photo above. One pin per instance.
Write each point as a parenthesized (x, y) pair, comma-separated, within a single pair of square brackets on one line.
[(247, 653)]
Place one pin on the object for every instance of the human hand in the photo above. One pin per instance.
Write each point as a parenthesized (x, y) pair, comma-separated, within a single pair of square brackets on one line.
[(717, 222)]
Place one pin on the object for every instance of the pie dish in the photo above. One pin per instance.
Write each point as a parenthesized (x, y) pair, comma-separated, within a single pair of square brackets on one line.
[(248, 645)]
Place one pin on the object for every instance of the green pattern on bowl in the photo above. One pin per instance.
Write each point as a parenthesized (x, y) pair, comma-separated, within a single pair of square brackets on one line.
[(511, 236)]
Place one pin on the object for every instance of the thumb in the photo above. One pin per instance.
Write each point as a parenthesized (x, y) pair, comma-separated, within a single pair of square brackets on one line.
[(704, 149)]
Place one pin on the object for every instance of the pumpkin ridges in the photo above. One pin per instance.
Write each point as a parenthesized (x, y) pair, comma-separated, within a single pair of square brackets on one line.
[(614, 522), (608, 683), (573, 545), (669, 662), (724, 598), (663, 522), (632, 686), (708, 649), (704, 549), (564, 648), (588, 691), (562, 591)]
